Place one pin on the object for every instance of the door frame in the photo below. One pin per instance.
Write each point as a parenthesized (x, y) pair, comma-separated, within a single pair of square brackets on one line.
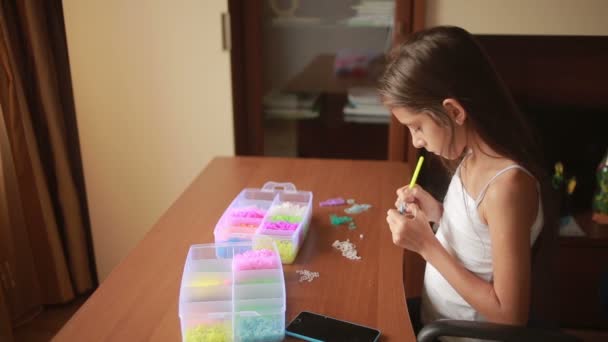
[(246, 65)]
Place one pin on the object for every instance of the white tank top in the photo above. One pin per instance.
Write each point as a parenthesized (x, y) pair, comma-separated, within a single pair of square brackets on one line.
[(467, 238)]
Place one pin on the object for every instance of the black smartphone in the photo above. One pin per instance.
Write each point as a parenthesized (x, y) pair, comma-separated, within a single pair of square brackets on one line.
[(314, 327)]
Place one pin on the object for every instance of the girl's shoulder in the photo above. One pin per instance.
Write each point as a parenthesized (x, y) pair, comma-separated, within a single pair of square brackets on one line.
[(514, 191), (501, 174), (513, 179)]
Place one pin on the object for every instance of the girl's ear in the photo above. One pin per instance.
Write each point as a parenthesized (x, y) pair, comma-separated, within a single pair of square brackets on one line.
[(455, 110)]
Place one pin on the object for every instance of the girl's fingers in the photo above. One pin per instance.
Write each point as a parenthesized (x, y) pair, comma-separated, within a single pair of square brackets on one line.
[(413, 193), (393, 216), (389, 219), (417, 213), (398, 203), (403, 193), (413, 208), (407, 195)]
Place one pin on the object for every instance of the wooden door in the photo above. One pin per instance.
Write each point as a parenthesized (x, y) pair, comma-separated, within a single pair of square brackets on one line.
[(153, 103)]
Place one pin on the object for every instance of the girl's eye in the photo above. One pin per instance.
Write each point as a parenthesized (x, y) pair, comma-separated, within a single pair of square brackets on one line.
[(414, 129)]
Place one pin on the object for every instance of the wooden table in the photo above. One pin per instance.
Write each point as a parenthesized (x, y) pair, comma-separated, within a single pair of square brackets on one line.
[(139, 299)]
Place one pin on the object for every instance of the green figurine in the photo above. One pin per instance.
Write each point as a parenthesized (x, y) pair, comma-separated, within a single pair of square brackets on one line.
[(563, 189), (600, 200), (558, 176)]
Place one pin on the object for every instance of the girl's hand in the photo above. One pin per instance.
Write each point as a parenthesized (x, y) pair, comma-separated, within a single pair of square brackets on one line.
[(422, 199), (411, 231)]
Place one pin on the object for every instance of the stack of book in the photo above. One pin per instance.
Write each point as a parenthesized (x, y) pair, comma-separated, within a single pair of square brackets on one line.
[(373, 13), (283, 105), (364, 106)]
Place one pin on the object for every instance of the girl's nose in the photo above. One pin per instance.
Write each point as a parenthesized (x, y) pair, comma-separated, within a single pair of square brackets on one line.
[(418, 143)]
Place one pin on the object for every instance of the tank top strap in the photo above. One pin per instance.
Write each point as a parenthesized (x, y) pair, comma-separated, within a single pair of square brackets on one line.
[(466, 155), (485, 187)]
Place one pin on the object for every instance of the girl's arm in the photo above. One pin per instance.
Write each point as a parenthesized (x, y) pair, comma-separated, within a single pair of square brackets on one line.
[(509, 208)]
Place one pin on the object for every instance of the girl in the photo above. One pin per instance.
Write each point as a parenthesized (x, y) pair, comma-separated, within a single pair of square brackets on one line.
[(442, 86)]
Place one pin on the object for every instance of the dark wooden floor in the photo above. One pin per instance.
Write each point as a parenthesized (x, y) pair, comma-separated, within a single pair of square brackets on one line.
[(45, 325)]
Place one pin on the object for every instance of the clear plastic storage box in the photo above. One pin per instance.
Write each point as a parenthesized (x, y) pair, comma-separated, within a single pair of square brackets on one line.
[(238, 295), (275, 213)]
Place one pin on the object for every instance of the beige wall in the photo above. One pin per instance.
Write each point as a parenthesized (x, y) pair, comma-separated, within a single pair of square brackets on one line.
[(153, 102), (541, 17)]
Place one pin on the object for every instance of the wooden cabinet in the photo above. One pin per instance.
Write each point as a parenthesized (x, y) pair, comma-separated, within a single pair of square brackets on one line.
[(582, 266), (291, 47)]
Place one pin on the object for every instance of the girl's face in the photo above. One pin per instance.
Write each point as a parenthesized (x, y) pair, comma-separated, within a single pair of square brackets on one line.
[(428, 134)]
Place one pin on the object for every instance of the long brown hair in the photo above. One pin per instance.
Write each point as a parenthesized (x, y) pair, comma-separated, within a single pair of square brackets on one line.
[(448, 62)]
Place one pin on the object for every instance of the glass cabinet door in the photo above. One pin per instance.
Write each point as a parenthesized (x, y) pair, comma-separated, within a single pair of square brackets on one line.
[(321, 62)]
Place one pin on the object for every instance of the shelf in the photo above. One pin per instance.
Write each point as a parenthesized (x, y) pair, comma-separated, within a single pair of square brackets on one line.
[(317, 24), (329, 136), (596, 235), (367, 119), (319, 76)]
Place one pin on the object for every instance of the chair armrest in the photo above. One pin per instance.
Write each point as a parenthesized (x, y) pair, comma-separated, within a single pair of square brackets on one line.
[(490, 331)]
